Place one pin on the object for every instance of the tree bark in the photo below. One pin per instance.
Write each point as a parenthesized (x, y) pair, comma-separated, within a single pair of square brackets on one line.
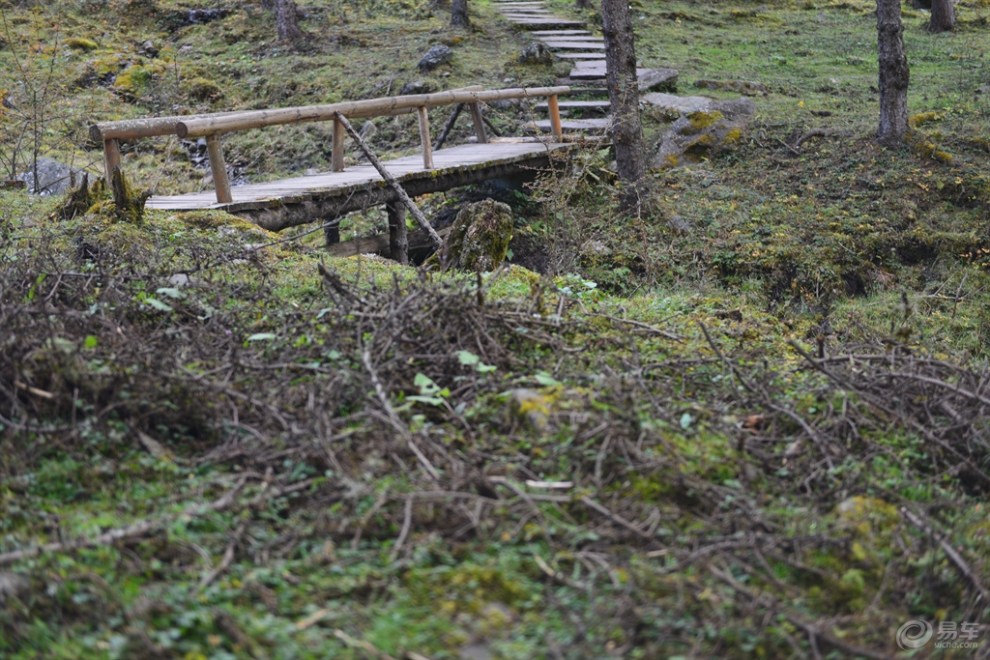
[(459, 14), (894, 73), (286, 20), (623, 94), (943, 17)]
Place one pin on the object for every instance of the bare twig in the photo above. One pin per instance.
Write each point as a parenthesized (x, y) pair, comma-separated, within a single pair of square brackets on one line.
[(137, 529), (404, 532), (954, 556)]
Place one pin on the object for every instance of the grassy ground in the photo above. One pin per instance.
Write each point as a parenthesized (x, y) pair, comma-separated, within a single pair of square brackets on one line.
[(752, 424)]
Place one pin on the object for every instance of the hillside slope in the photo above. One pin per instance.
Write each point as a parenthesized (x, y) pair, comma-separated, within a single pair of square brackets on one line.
[(754, 423)]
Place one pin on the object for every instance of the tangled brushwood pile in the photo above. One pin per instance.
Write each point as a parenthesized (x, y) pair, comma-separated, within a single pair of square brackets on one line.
[(221, 464)]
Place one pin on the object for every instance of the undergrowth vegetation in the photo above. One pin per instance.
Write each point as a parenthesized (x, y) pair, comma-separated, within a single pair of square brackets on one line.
[(754, 423)]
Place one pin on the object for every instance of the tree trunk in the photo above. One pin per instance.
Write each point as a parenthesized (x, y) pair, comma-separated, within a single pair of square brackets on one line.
[(623, 94), (582, 4), (286, 20), (459, 14), (943, 16), (894, 73)]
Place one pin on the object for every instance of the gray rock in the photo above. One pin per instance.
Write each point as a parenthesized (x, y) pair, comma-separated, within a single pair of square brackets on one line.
[(180, 280), (651, 79), (12, 585), (54, 178), (536, 53), (148, 49), (678, 224), (435, 56), (416, 87), (704, 133), (673, 105)]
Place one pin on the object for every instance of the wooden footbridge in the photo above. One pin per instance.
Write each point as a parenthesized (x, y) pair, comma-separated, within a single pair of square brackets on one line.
[(279, 204)]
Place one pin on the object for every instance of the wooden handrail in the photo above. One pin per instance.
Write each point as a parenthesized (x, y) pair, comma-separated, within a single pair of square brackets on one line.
[(131, 129), (213, 125), (230, 122)]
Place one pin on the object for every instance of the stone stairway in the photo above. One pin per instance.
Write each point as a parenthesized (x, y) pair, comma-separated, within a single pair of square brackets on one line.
[(570, 40)]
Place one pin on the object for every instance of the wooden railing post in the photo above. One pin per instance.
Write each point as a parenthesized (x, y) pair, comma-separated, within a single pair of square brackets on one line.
[(479, 123), (219, 169), (554, 108), (424, 136), (337, 155), (111, 158)]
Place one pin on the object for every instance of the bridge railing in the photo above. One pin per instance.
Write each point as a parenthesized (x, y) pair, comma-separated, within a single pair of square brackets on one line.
[(213, 126)]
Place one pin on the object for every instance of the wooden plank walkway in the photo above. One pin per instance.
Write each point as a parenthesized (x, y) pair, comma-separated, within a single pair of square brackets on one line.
[(585, 50), (334, 193)]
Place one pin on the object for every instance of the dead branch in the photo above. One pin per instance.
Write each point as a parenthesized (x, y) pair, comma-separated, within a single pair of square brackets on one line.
[(962, 566), (391, 181)]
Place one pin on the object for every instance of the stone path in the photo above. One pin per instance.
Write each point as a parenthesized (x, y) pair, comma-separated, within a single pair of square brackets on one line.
[(570, 40)]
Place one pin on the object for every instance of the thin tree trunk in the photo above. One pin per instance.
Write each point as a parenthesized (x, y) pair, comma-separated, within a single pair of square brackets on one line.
[(286, 20), (894, 73), (623, 93), (459, 14), (943, 16)]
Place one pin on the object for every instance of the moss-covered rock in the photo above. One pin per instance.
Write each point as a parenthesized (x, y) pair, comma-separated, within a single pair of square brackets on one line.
[(203, 89), (479, 238), (81, 43), (703, 133)]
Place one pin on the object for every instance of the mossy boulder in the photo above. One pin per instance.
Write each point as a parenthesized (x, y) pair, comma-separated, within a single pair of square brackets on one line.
[(81, 44), (704, 133), (137, 80), (479, 238)]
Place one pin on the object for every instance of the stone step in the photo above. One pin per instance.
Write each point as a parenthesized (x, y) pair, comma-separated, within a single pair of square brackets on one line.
[(561, 33), (581, 56), (583, 88), (575, 45), (599, 125), (649, 79), (598, 106), (539, 24)]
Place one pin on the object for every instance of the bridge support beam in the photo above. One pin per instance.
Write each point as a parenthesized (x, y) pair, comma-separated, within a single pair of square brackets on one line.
[(398, 237)]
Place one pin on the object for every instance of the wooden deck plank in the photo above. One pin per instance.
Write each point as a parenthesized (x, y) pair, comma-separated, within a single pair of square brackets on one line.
[(341, 184)]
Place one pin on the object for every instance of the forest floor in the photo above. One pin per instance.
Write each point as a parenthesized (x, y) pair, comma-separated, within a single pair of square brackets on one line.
[(753, 423)]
